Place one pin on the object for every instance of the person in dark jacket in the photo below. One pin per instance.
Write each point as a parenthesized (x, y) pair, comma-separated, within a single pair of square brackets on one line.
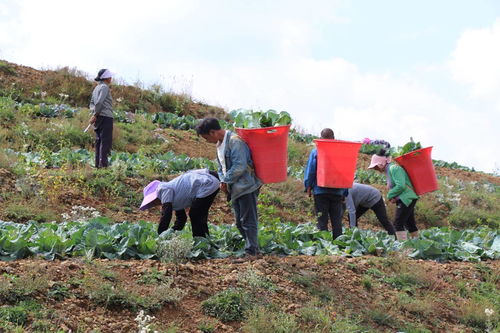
[(101, 106), (238, 179), (327, 201)]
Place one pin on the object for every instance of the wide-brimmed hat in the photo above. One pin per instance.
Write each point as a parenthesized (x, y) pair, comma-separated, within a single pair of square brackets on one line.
[(150, 194), (380, 161)]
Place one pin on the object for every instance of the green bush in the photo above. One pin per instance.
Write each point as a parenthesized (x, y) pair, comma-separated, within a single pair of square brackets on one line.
[(228, 305)]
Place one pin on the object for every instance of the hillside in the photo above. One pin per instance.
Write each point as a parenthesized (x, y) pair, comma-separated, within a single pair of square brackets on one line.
[(46, 175)]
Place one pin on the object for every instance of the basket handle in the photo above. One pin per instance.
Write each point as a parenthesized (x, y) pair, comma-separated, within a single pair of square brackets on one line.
[(272, 131)]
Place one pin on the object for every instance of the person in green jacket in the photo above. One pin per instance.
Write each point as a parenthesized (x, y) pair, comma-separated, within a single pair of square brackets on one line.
[(400, 192)]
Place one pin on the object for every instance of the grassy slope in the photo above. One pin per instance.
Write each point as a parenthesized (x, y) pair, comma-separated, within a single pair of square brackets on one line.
[(374, 293)]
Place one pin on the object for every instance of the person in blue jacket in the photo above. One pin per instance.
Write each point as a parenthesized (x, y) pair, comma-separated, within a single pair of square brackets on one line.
[(327, 201)]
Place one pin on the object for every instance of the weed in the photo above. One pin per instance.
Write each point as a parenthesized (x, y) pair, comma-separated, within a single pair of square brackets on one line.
[(207, 326), (422, 307), (315, 317), (256, 282), (227, 305), (413, 329), (7, 69), (59, 291), (174, 250), (23, 213), (15, 289), (374, 272), (14, 314), (479, 315), (367, 282), (262, 320), (321, 291), (352, 266), (381, 316), (346, 325), (304, 280), (143, 322), (323, 260), (114, 295), (154, 276)]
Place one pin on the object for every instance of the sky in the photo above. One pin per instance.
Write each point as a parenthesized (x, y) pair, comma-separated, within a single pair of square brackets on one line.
[(385, 69)]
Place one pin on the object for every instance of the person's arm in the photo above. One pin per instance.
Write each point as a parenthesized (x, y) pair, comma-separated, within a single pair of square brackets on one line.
[(310, 172), (166, 216), (180, 219), (239, 163), (398, 177), (351, 209)]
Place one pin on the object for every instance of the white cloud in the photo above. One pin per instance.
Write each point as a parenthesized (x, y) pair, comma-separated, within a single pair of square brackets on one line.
[(475, 60), (258, 55), (336, 94)]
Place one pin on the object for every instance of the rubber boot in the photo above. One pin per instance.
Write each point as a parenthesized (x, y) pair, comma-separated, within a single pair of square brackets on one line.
[(414, 234), (401, 235)]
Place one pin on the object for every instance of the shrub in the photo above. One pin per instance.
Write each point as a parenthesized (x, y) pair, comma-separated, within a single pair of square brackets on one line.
[(227, 305)]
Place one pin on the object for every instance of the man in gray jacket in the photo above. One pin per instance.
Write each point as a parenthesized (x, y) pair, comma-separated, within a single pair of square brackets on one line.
[(237, 177), (362, 198)]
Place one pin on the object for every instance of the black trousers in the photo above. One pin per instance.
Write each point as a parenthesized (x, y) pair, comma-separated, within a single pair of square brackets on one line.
[(103, 140), (405, 217), (380, 212), (329, 207), (198, 214)]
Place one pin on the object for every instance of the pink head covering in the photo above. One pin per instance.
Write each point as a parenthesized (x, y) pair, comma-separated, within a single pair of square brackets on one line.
[(380, 161)]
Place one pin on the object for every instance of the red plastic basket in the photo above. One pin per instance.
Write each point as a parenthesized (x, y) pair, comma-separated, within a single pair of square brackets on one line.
[(269, 149)]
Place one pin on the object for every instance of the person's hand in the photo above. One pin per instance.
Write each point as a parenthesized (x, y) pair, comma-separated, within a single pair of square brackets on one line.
[(92, 120), (223, 187), (393, 200), (309, 192)]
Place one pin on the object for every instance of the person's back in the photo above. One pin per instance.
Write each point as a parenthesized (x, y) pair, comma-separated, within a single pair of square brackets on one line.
[(327, 201), (364, 195), (187, 187)]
